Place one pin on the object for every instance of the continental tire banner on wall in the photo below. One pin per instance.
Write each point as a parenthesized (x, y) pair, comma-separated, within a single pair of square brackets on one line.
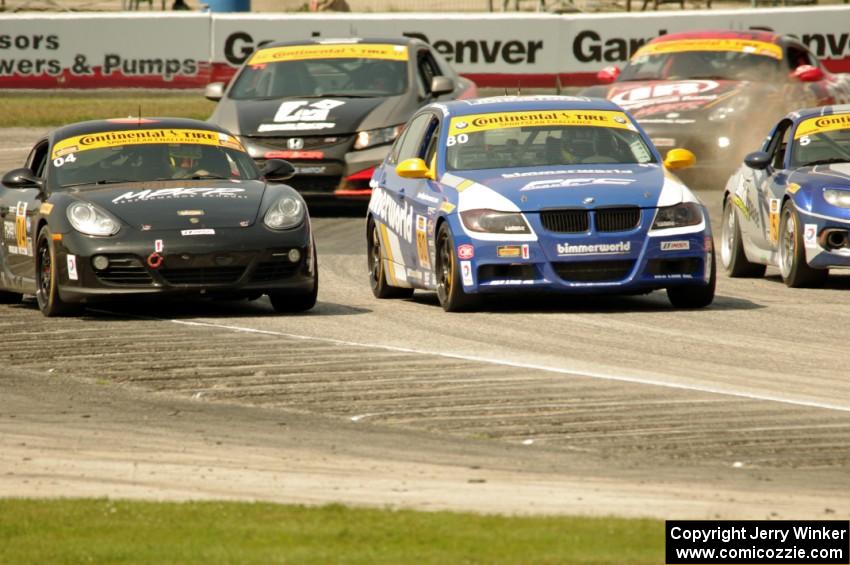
[(174, 50)]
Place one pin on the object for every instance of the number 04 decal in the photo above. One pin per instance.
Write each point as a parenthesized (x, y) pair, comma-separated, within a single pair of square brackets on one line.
[(59, 161), (460, 138)]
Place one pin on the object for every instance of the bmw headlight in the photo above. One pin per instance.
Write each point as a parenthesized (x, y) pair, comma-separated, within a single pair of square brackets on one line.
[(837, 197), (286, 213), (729, 109), (491, 221), (678, 216), (89, 219), (380, 136)]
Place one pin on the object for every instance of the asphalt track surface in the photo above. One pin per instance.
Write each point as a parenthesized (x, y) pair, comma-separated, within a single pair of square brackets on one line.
[(615, 405)]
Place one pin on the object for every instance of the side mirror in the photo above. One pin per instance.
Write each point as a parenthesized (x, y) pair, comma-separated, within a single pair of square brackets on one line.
[(608, 74), (21, 178), (679, 159), (413, 169), (807, 73), (214, 91), (442, 85), (758, 160), (278, 169)]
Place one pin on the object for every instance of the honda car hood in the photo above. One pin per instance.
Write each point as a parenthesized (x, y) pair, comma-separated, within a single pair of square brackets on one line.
[(311, 116)]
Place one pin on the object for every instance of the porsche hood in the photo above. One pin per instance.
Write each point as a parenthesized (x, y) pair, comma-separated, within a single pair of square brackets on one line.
[(657, 98), (172, 205)]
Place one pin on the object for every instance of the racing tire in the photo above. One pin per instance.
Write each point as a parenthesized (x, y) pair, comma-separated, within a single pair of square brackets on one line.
[(449, 288), (47, 279), (732, 254), (377, 275), (795, 272), (293, 303), (695, 296), (10, 297)]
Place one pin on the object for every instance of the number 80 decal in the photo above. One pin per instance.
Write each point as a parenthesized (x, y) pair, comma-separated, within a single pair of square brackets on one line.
[(452, 140)]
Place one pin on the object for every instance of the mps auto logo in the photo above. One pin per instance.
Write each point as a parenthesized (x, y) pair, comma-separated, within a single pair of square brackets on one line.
[(675, 245), (575, 182)]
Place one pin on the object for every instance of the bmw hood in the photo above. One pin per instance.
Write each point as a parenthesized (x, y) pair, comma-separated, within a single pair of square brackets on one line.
[(312, 116), (659, 98), (588, 186), (172, 205)]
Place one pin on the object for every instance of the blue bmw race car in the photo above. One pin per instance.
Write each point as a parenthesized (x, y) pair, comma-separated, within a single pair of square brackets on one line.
[(789, 204), (547, 193)]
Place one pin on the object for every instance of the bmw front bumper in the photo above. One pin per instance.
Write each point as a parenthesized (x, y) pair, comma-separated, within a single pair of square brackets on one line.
[(581, 264)]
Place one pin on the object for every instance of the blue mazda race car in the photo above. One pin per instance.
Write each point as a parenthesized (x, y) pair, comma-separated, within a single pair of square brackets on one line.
[(546, 193), (788, 205)]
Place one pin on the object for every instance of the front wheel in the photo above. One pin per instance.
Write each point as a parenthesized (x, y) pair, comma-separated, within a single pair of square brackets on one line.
[(732, 246), (47, 279), (449, 288), (792, 255), (695, 296), (377, 275)]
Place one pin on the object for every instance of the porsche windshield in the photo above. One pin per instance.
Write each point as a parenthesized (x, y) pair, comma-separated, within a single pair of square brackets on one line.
[(539, 139), (148, 155), (821, 141), (355, 70), (705, 59)]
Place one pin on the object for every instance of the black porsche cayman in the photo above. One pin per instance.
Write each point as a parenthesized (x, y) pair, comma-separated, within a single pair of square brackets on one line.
[(152, 206)]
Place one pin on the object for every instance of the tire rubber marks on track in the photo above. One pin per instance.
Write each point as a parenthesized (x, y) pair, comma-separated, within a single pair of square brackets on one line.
[(531, 367)]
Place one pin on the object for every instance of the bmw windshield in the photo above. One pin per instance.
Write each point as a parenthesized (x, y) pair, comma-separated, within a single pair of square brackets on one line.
[(148, 155), (348, 70), (544, 138)]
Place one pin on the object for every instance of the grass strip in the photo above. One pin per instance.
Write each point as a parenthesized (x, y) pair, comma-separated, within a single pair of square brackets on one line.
[(118, 531), (36, 109)]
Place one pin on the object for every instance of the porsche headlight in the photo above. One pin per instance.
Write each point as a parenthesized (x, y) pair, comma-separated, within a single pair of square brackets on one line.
[(729, 109), (837, 197), (491, 221), (89, 219), (380, 136), (286, 213), (678, 216)]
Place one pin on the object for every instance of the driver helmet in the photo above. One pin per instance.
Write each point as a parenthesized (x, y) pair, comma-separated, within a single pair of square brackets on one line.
[(579, 141)]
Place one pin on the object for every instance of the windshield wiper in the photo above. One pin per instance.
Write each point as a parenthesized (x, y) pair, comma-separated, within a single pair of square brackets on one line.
[(200, 177), (826, 161), (343, 95)]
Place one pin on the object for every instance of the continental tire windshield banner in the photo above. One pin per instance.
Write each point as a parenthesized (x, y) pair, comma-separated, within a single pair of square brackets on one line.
[(345, 51), (143, 137), (176, 50), (502, 120)]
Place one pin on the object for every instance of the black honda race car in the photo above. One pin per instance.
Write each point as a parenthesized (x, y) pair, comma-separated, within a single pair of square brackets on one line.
[(332, 107), (152, 206)]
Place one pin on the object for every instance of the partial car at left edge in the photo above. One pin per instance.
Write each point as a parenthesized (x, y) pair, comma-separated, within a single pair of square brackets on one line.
[(788, 205), (529, 194), (130, 207)]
